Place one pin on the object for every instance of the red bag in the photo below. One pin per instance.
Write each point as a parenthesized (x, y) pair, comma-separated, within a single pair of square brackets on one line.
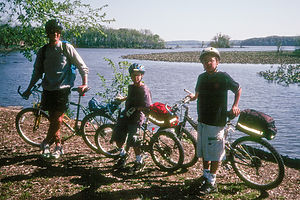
[(160, 116)]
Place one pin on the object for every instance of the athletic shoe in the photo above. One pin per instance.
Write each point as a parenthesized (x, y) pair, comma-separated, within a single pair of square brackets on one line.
[(45, 150), (138, 166), (121, 162), (208, 188), (58, 151), (193, 185)]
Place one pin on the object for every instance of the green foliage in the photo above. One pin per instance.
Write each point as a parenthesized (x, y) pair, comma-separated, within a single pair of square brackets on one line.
[(118, 83), (284, 75), (220, 41), (120, 38), (272, 41), (26, 18)]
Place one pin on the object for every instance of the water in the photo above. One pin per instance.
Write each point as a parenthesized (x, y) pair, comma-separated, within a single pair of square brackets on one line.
[(167, 81)]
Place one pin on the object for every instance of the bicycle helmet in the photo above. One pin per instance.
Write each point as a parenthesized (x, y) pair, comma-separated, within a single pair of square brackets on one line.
[(136, 68), (53, 24), (210, 50)]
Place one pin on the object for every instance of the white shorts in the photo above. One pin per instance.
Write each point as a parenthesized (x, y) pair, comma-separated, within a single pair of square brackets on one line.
[(210, 142)]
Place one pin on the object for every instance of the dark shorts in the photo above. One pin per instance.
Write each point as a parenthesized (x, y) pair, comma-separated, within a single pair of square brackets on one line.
[(123, 130), (57, 100)]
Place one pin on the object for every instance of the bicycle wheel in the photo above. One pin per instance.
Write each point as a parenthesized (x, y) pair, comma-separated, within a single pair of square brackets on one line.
[(91, 124), (189, 145), (257, 163), (166, 151), (32, 125), (102, 140)]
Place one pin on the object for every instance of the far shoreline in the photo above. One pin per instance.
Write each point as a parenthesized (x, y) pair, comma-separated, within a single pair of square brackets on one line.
[(241, 57), (229, 57)]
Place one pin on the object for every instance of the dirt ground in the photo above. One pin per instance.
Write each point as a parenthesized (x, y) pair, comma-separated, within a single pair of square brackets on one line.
[(83, 174)]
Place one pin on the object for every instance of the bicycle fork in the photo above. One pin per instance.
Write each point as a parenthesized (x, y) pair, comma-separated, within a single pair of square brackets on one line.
[(37, 120)]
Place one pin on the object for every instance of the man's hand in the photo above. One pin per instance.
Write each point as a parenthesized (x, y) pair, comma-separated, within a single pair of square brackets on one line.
[(83, 89), (26, 94), (235, 110), (119, 97), (193, 96)]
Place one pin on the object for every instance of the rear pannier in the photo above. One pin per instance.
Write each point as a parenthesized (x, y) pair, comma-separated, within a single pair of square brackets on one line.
[(256, 124)]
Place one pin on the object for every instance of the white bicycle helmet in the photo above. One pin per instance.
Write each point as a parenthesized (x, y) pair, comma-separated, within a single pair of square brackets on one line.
[(210, 50)]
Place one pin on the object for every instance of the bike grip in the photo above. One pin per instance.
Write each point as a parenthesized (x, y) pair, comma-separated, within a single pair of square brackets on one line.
[(19, 88), (187, 91)]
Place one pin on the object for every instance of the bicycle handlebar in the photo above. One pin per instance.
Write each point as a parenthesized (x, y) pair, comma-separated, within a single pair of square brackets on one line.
[(34, 89), (187, 91), (19, 88), (81, 94)]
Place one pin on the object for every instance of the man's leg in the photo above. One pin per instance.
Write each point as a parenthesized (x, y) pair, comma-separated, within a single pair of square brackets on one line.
[(56, 118)]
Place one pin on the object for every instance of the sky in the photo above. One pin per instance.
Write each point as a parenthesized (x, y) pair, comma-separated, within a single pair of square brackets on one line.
[(203, 19)]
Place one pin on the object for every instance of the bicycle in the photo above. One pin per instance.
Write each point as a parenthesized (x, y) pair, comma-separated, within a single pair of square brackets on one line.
[(32, 123), (255, 161), (164, 147)]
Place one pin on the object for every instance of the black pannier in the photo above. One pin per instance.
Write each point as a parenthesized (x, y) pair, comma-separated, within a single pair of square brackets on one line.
[(256, 124)]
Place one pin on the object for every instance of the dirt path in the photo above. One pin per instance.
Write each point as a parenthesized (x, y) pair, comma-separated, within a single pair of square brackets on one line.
[(82, 174)]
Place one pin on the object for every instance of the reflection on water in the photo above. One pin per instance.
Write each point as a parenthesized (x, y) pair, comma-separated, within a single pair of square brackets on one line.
[(167, 81)]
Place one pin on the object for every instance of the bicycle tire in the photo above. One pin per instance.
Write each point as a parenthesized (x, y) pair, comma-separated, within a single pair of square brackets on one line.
[(32, 125), (263, 170), (166, 151), (102, 140), (189, 145), (89, 126)]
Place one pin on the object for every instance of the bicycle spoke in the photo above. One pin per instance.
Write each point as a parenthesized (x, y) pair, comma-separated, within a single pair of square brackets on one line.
[(91, 126), (257, 163), (32, 125), (189, 145), (166, 151)]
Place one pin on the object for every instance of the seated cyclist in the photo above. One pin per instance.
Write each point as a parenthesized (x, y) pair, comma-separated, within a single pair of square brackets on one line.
[(131, 119)]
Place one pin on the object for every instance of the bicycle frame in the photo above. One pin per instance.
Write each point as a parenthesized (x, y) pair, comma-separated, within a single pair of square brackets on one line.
[(187, 118), (231, 151), (36, 104)]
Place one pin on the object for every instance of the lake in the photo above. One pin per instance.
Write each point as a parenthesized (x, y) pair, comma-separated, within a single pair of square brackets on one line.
[(168, 80)]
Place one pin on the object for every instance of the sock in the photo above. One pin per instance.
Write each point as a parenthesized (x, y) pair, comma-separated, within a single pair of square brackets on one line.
[(206, 173), (212, 178), (122, 152), (139, 158)]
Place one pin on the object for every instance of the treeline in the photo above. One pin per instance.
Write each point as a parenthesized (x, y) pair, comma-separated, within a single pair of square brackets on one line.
[(119, 38), (272, 41), (108, 38)]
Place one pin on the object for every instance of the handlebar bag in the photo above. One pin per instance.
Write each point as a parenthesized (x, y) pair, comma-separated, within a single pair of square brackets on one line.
[(160, 114), (256, 124)]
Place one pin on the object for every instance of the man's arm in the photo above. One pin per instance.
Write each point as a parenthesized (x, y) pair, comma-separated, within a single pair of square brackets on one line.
[(84, 85), (36, 75), (235, 107)]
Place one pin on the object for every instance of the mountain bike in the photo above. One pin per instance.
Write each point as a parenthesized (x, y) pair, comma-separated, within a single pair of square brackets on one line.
[(32, 123), (164, 147), (255, 161)]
